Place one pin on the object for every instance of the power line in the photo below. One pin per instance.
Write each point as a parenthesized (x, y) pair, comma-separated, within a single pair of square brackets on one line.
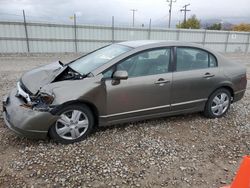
[(170, 11), (133, 10), (185, 10), (3, 13)]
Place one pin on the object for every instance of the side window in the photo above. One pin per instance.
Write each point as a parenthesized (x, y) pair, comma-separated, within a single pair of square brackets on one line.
[(212, 61), (191, 59), (146, 63), (108, 73)]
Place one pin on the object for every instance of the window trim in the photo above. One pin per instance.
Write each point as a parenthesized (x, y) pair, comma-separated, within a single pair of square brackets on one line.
[(170, 65), (197, 48), (216, 61)]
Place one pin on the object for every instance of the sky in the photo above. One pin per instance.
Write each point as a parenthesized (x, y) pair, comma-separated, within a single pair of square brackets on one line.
[(101, 11)]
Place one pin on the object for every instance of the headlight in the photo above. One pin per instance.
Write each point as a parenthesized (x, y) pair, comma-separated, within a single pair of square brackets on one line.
[(42, 101), (46, 98), (22, 93)]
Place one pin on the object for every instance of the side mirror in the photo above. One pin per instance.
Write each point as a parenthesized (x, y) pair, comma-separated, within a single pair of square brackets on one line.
[(120, 75)]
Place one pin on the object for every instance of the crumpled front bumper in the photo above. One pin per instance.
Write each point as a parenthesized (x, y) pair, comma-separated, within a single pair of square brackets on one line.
[(25, 121)]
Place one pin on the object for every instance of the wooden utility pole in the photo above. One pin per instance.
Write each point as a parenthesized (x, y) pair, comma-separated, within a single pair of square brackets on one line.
[(170, 11), (185, 10)]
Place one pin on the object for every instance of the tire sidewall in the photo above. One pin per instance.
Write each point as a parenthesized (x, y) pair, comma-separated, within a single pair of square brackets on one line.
[(208, 110), (85, 109)]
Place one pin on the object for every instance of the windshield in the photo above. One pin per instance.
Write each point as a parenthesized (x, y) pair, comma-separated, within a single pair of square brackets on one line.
[(98, 58)]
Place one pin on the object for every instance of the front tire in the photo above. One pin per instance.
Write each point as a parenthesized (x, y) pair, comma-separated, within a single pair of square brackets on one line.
[(74, 124), (218, 104)]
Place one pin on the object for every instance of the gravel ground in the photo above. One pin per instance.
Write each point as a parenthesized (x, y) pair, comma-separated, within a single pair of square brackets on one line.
[(180, 151)]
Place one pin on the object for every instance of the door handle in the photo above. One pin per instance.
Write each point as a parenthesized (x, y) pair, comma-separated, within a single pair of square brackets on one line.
[(162, 81), (208, 75)]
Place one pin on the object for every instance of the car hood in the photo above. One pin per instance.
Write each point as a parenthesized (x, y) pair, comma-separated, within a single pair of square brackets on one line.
[(35, 79)]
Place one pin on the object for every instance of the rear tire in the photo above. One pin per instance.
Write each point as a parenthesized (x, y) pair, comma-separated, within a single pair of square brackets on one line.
[(218, 103), (74, 124)]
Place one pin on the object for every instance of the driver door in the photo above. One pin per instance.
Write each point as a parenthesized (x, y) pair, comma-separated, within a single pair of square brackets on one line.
[(146, 92)]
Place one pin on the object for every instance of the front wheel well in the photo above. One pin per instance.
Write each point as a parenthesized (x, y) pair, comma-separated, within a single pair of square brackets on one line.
[(91, 106)]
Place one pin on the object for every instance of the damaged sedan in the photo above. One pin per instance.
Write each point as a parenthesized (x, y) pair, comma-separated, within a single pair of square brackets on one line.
[(119, 83)]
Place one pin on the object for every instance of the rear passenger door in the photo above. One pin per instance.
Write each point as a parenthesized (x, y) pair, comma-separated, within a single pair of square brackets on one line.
[(195, 75)]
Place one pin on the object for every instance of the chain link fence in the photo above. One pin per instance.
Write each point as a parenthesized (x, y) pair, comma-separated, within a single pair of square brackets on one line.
[(22, 37)]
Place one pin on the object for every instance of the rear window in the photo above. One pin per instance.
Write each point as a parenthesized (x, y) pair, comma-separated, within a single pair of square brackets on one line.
[(193, 59)]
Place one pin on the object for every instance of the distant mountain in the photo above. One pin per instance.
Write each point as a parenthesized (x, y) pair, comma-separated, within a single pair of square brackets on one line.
[(209, 22)]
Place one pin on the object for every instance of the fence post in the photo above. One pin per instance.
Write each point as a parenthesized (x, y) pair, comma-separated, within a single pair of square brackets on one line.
[(75, 31), (178, 34), (26, 32), (113, 29), (227, 41), (247, 44), (204, 37), (149, 29)]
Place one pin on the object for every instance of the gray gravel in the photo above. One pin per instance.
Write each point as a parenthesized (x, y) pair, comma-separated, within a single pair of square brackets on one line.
[(180, 151)]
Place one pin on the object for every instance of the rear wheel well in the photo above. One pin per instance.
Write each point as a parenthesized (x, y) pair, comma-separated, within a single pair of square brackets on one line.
[(217, 108), (224, 87), (91, 106), (229, 89)]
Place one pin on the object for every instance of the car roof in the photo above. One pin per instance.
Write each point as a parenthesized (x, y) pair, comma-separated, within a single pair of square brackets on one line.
[(154, 43), (141, 43)]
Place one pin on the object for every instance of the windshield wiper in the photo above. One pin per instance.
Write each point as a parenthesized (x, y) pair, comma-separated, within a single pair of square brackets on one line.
[(61, 63)]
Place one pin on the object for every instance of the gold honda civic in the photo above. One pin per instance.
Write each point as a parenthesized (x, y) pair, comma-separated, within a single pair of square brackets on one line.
[(123, 82)]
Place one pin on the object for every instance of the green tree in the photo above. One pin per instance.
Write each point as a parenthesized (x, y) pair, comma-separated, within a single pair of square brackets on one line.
[(215, 26), (191, 23)]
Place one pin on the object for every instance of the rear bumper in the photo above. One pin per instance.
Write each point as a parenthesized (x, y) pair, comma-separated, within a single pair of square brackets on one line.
[(25, 121), (238, 95)]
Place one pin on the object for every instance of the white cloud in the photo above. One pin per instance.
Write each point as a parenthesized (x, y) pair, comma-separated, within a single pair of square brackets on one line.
[(102, 10)]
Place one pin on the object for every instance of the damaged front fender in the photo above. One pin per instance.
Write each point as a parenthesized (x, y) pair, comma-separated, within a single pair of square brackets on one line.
[(89, 90), (26, 121)]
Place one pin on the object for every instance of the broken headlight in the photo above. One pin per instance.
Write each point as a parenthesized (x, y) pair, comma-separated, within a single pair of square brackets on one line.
[(42, 101), (46, 98)]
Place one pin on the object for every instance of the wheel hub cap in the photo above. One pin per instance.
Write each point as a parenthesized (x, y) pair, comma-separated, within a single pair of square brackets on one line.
[(72, 124), (220, 104)]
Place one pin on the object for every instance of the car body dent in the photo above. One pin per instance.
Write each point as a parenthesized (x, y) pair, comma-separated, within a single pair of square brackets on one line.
[(89, 89), (27, 121), (39, 77)]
